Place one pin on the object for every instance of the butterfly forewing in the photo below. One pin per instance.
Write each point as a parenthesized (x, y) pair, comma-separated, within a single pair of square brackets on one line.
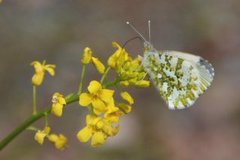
[(180, 77)]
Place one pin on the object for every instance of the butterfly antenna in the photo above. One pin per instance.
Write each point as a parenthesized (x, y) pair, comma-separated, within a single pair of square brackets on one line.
[(131, 40), (128, 23), (149, 30)]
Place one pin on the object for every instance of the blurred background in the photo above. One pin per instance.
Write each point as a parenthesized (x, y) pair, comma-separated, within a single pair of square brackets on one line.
[(58, 30)]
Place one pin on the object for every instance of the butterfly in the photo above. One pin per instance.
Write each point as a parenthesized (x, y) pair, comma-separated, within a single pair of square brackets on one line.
[(179, 77)]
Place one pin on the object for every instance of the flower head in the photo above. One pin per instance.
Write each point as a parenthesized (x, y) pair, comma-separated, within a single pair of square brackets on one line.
[(113, 113), (97, 97), (40, 70), (41, 134), (127, 97), (58, 103), (129, 71), (59, 141), (87, 55), (98, 65), (98, 129)]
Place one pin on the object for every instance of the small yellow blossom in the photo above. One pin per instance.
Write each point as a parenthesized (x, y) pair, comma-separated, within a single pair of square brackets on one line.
[(58, 103), (113, 113), (41, 134), (98, 65), (59, 141), (127, 97), (119, 56), (98, 139), (97, 96), (98, 129), (125, 107), (40, 70), (87, 56), (142, 83)]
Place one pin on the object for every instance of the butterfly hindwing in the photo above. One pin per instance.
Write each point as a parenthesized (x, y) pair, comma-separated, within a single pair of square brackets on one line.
[(180, 77)]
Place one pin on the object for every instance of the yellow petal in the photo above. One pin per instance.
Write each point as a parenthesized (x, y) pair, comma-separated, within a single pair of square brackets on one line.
[(106, 95), (98, 138), (125, 108), (87, 55), (59, 141), (61, 100), (127, 97), (94, 87), (124, 83), (85, 99), (113, 114), (39, 136), (99, 106), (84, 134), (37, 66), (37, 78), (52, 137), (116, 45), (57, 109), (58, 98), (50, 69), (98, 65), (142, 83), (113, 59), (92, 119)]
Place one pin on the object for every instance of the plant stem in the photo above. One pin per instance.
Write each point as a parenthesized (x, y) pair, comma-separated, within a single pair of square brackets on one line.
[(104, 75), (22, 127), (81, 79), (34, 100), (112, 83), (30, 120)]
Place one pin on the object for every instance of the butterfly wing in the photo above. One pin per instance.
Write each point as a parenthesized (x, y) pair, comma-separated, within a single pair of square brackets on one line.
[(180, 77)]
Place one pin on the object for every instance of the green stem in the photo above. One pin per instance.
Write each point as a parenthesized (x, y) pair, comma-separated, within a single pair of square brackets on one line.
[(29, 121), (112, 83), (104, 75), (81, 79), (34, 100), (22, 127)]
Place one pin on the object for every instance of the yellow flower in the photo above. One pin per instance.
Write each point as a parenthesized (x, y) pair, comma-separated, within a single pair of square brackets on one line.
[(129, 71), (41, 134), (58, 103), (98, 65), (125, 107), (97, 96), (87, 55), (119, 56), (142, 83), (97, 129), (127, 97), (113, 113), (40, 70), (98, 138), (59, 141)]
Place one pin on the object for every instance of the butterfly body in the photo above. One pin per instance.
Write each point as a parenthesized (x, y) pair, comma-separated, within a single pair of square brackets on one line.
[(180, 77)]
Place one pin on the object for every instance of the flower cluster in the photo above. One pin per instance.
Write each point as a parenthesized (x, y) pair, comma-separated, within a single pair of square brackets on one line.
[(129, 71), (59, 141), (105, 111), (40, 70), (103, 120)]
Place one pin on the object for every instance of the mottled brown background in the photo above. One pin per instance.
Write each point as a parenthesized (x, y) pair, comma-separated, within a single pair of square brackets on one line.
[(58, 30)]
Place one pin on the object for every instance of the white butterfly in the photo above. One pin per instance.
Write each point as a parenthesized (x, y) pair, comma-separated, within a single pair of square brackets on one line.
[(180, 77)]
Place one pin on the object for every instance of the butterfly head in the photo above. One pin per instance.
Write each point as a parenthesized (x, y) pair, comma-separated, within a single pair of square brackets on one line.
[(147, 44)]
